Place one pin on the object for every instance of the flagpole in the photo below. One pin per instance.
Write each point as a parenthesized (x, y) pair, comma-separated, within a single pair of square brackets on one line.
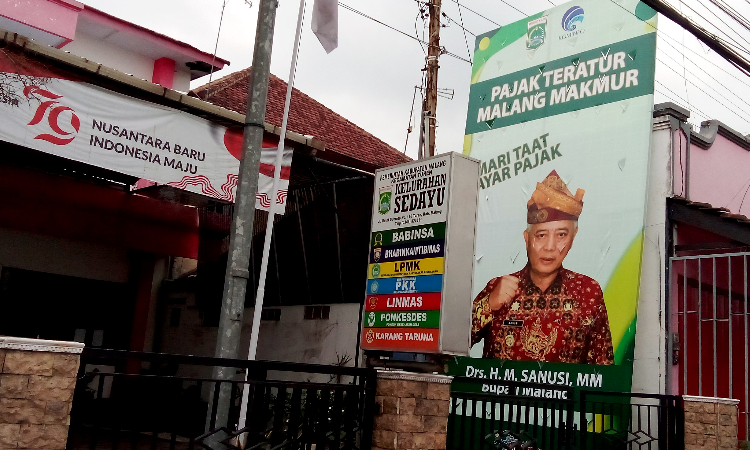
[(271, 215)]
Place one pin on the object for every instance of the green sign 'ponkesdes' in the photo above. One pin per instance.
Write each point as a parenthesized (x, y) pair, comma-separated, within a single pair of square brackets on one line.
[(403, 319)]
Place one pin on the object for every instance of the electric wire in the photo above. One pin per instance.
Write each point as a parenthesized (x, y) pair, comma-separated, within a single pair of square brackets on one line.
[(722, 20), (411, 115), (684, 66), (709, 95), (503, 1), (443, 50), (458, 24), (727, 53), (737, 44), (466, 41), (731, 12), (216, 47), (694, 109), (416, 33), (480, 15), (704, 71), (662, 34)]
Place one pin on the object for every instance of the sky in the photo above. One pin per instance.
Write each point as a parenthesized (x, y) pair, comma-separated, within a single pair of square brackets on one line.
[(370, 79)]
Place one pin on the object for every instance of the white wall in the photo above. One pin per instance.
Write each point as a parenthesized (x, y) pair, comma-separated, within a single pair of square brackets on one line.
[(292, 338), (60, 256), (649, 366), (140, 66), (103, 52)]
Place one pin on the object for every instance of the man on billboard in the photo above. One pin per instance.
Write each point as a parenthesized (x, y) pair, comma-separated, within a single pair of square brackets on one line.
[(545, 312)]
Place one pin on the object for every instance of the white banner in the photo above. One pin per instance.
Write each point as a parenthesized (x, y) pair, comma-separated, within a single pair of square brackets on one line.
[(90, 124)]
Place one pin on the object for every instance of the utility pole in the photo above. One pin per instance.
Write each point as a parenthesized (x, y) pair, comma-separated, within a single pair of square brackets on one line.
[(431, 90), (241, 232)]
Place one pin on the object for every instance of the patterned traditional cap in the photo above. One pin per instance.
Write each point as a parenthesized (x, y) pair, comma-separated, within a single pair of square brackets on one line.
[(553, 201)]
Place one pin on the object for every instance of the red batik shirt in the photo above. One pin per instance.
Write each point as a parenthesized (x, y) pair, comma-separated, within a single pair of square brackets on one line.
[(566, 323)]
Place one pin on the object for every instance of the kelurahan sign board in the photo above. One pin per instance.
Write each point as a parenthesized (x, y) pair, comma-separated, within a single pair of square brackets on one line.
[(421, 256), (559, 115)]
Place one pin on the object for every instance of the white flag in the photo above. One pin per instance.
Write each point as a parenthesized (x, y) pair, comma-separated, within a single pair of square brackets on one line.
[(325, 23)]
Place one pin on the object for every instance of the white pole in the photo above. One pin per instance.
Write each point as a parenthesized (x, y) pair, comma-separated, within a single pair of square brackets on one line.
[(271, 214)]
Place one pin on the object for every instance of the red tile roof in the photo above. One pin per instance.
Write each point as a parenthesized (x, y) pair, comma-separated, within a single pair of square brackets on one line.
[(306, 116)]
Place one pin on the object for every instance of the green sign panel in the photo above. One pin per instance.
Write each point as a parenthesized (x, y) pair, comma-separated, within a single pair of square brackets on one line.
[(429, 232), (403, 319)]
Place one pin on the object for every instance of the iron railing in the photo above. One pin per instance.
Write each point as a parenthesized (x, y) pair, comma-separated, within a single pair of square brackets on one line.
[(154, 401), (577, 421), (476, 419), (709, 327), (624, 420)]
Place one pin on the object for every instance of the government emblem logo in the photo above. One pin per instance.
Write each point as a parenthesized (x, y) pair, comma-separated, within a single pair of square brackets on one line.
[(384, 203), (376, 254), (370, 336), (372, 302), (374, 287), (571, 16), (375, 270), (371, 319), (536, 33)]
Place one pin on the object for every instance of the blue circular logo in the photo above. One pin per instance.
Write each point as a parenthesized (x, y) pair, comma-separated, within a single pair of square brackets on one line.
[(571, 16)]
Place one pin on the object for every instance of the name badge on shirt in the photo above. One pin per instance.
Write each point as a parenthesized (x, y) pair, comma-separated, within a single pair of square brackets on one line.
[(513, 323)]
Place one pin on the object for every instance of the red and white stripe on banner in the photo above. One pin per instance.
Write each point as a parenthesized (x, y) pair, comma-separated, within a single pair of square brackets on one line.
[(56, 113)]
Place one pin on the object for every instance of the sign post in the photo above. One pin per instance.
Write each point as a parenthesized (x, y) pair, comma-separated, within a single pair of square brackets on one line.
[(421, 256)]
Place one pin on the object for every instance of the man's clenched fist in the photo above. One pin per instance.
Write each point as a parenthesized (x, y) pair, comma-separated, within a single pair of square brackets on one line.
[(506, 289)]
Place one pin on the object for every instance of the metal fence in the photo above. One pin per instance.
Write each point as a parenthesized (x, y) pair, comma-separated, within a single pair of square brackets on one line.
[(580, 420), (154, 401), (709, 328), (627, 420), (476, 419)]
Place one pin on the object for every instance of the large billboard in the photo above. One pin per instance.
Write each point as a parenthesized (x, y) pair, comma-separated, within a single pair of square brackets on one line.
[(559, 115)]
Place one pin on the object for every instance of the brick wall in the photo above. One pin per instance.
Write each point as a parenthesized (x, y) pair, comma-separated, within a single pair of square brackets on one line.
[(413, 411), (37, 379), (710, 423)]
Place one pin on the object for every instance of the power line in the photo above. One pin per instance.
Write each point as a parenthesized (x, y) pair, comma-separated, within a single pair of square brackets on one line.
[(466, 41), (703, 70), (483, 17), (700, 33), (722, 20), (709, 95), (459, 25), (503, 1), (680, 97), (737, 44), (443, 50), (731, 12), (662, 34), (216, 47), (411, 115)]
